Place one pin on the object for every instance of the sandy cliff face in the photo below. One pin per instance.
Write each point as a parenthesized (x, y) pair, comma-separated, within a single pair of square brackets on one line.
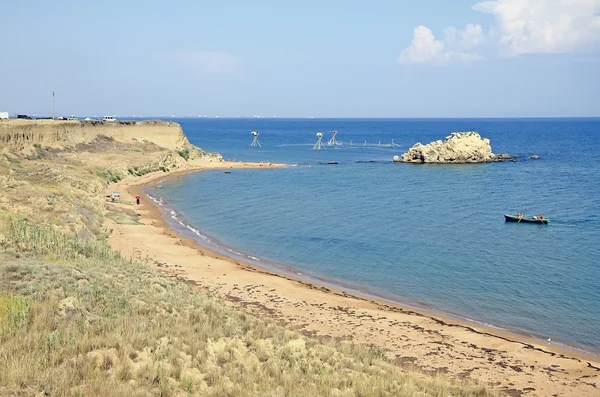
[(19, 134)]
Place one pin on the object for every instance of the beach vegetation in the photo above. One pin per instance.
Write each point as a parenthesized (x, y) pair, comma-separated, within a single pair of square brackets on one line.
[(77, 318), (184, 153), (115, 178), (141, 171), (11, 159), (104, 174), (109, 176), (38, 154)]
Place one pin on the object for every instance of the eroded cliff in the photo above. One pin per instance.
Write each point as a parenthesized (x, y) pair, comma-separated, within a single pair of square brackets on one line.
[(20, 134)]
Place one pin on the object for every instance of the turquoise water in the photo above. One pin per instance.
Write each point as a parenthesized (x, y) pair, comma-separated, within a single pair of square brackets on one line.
[(430, 235)]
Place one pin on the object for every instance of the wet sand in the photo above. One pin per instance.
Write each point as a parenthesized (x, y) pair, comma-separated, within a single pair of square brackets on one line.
[(415, 338)]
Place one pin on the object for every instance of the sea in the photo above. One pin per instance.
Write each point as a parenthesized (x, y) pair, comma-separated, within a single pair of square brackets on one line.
[(427, 236)]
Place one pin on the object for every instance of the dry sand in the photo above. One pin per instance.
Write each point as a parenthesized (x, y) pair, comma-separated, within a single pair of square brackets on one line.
[(414, 338)]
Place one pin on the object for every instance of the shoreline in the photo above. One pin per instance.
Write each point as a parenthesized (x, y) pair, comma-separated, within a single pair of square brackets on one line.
[(509, 346), (185, 231)]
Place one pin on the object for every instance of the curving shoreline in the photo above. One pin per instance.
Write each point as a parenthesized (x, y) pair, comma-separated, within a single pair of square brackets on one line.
[(428, 340), (187, 231)]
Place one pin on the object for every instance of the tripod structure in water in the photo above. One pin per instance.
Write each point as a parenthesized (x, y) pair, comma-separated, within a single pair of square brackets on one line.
[(319, 145), (333, 141), (255, 142)]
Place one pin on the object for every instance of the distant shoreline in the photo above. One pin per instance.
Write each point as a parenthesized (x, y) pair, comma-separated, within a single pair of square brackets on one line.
[(366, 118), (167, 118)]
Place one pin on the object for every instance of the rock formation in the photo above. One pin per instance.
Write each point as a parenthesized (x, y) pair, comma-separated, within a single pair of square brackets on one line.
[(458, 148)]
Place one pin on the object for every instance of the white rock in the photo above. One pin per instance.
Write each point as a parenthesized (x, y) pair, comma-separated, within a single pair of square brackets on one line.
[(459, 147)]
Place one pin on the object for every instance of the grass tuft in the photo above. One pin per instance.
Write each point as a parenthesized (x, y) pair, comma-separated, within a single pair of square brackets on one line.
[(43, 240), (14, 314)]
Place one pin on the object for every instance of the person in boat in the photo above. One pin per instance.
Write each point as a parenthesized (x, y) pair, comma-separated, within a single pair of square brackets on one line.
[(519, 215), (541, 216)]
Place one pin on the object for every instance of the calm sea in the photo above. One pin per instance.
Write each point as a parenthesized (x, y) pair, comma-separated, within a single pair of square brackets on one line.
[(430, 235)]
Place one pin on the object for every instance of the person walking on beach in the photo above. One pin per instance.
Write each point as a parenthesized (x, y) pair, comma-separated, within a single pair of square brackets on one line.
[(137, 199)]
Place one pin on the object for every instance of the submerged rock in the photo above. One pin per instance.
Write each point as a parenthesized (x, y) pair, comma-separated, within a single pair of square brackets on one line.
[(458, 148)]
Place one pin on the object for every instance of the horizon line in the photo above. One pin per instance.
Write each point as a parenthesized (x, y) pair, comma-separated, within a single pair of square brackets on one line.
[(368, 118), (332, 117)]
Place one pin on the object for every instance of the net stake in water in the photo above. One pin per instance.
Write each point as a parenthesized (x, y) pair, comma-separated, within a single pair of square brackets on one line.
[(255, 142)]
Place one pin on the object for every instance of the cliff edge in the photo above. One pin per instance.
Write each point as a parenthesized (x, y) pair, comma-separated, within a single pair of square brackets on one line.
[(19, 134)]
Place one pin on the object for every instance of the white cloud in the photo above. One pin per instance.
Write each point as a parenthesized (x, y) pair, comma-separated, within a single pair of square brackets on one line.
[(209, 62), (466, 39), (544, 26), (425, 48)]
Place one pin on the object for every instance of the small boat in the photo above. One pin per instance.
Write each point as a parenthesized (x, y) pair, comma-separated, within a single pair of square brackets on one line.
[(328, 162), (523, 219)]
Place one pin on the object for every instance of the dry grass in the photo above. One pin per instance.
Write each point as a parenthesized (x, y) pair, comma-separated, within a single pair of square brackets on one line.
[(76, 322), (46, 241), (76, 319)]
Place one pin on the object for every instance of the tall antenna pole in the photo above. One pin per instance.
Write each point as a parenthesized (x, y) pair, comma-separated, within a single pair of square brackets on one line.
[(52, 105)]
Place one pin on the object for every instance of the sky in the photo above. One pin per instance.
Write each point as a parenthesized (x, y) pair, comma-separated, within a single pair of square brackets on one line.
[(335, 58)]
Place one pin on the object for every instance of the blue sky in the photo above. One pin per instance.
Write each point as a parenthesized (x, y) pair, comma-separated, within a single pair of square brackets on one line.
[(498, 58)]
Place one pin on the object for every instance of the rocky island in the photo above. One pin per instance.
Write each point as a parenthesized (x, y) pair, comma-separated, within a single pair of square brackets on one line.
[(458, 148)]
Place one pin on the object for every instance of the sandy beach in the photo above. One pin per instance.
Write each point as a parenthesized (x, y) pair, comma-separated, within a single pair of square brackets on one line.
[(414, 338)]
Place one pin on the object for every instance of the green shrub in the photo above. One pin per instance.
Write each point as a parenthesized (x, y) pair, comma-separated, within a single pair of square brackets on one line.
[(184, 153), (104, 174)]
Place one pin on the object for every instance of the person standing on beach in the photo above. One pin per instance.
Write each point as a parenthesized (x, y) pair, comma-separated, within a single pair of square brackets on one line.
[(137, 199)]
